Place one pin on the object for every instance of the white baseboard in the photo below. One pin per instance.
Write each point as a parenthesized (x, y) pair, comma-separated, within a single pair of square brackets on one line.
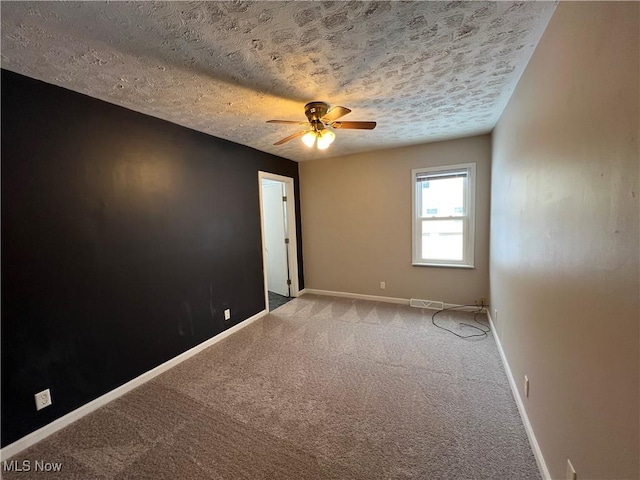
[(302, 292), (377, 298), (359, 296), (537, 452), (42, 433), (466, 308)]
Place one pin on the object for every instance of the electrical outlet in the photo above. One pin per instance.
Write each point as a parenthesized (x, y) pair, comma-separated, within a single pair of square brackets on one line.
[(383, 285), (495, 314), (227, 314), (43, 399), (526, 386), (571, 472)]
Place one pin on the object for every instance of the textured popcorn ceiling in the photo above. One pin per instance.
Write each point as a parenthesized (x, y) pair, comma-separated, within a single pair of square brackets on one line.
[(423, 70)]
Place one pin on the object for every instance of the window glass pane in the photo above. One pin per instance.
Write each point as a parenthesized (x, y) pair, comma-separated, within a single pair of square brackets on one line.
[(442, 240), (442, 198)]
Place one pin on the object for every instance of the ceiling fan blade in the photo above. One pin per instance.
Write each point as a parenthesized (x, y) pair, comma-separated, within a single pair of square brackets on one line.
[(290, 137), (334, 114), (354, 125), (287, 122)]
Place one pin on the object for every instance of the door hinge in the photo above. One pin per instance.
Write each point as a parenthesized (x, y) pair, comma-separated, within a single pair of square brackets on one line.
[(289, 281), (286, 240), (284, 199)]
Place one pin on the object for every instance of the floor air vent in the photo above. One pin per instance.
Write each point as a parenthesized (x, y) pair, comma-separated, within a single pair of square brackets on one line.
[(433, 304)]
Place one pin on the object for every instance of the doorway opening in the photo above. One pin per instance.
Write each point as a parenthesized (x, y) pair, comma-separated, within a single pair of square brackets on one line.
[(279, 247)]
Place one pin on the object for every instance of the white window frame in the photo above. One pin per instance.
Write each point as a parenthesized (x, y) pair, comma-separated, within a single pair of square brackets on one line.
[(468, 231)]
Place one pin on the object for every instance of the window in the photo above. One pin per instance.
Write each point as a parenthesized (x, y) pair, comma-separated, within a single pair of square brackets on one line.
[(443, 215)]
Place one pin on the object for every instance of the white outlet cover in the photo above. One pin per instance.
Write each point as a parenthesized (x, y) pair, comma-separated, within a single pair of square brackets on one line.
[(383, 285), (526, 386), (227, 314), (43, 399)]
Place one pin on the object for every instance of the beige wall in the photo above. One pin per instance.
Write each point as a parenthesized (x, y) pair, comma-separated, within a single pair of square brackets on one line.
[(564, 239), (356, 223)]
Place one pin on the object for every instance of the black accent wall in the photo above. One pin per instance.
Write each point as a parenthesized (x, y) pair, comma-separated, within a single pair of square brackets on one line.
[(124, 237)]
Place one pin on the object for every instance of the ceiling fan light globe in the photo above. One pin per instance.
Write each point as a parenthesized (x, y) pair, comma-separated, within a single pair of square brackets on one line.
[(309, 139), (322, 143), (327, 136)]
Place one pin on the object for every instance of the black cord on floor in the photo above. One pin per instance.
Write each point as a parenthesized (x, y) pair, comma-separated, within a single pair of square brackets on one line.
[(483, 332)]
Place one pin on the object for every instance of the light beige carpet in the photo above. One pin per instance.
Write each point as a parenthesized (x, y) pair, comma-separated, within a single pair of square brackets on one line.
[(322, 388)]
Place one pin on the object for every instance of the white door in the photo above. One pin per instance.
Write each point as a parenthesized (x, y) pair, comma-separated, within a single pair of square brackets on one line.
[(275, 227)]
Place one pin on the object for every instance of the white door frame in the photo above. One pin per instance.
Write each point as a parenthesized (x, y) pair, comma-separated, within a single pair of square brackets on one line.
[(291, 232)]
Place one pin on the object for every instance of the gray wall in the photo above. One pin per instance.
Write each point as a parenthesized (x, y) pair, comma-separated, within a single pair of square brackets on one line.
[(356, 213), (564, 239)]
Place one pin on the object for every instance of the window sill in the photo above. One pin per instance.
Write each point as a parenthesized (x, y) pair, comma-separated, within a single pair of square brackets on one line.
[(446, 265)]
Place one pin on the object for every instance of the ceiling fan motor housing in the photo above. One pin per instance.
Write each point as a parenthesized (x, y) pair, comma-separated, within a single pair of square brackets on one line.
[(315, 111)]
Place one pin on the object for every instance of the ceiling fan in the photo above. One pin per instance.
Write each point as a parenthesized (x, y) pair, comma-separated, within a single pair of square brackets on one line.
[(319, 118)]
